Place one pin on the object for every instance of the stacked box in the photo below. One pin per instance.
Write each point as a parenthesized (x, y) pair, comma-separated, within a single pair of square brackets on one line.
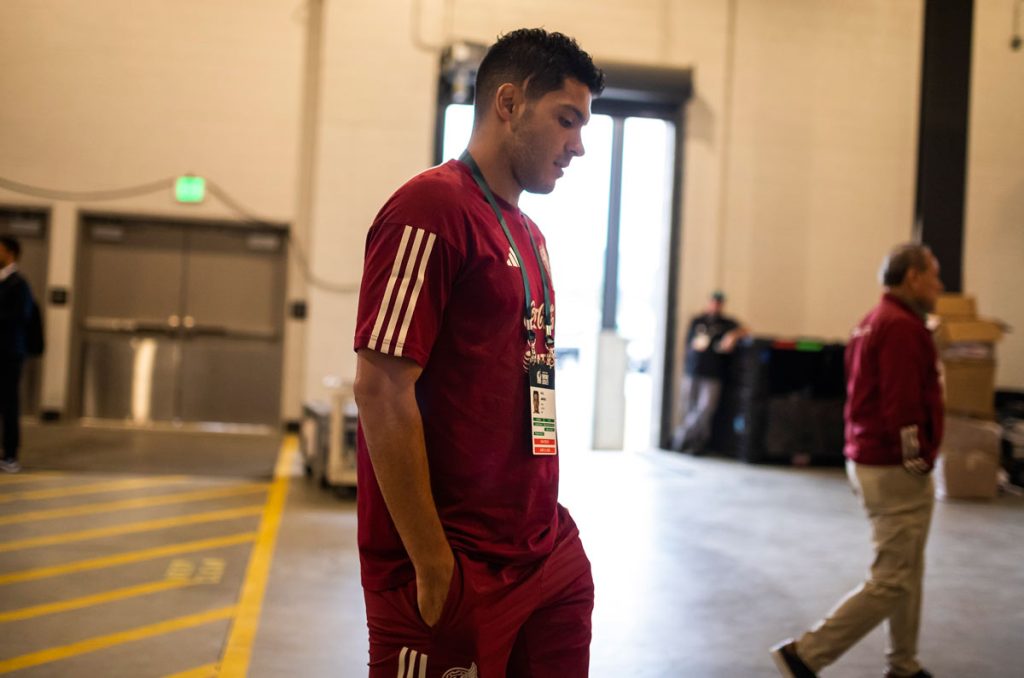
[(968, 464), (966, 346)]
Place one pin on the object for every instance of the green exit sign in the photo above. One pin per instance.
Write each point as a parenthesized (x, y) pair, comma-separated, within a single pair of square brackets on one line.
[(190, 189)]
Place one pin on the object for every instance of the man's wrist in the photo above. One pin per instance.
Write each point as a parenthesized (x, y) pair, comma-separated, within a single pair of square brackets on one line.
[(438, 563)]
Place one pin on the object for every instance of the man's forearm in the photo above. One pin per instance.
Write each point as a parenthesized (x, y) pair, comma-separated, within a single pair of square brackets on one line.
[(394, 437)]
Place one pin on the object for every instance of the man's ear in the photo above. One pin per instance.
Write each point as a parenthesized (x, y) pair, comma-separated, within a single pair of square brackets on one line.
[(505, 101)]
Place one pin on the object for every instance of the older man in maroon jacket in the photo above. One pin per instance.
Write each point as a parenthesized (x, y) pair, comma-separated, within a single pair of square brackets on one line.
[(894, 418)]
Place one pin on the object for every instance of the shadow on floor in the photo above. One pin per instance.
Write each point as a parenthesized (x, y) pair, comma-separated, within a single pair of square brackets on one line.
[(71, 447)]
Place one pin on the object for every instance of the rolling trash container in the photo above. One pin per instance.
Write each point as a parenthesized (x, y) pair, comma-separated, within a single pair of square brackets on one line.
[(782, 402)]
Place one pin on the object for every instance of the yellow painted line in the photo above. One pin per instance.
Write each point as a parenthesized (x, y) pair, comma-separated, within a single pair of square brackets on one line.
[(103, 642), (92, 488), (141, 502), (129, 528), (205, 671), (95, 599), (124, 558), (235, 660)]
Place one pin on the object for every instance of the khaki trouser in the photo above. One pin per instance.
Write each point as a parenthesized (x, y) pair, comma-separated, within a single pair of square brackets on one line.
[(699, 396), (899, 506)]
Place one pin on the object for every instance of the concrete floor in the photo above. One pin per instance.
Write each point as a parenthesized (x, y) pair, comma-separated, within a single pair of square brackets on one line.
[(700, 565)]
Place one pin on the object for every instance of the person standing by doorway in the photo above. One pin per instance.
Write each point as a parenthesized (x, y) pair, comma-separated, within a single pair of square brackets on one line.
[(894, 424), (16, 307), (710, 340), (469, 564)]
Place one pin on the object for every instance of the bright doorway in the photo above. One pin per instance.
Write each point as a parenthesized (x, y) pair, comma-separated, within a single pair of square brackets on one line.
[(620, 190)]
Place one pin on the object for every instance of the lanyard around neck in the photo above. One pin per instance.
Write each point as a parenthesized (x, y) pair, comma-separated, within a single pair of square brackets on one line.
[(528, 314)]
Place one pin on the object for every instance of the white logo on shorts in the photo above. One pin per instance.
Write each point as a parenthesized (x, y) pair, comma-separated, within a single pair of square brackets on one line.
[(461, 673)]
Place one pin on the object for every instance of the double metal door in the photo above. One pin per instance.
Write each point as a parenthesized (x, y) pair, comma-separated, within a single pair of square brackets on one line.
[(181, 322)]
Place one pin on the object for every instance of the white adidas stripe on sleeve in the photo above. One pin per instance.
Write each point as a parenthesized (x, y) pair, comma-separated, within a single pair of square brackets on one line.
[(403, 286), (420, 273), (386, 300)]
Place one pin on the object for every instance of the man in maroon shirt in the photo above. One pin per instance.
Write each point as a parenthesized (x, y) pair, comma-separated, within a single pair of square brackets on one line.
[(894, 418), (469, 563)]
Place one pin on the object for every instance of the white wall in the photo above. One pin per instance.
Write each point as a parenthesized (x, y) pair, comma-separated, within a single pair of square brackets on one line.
[(800, 145), (994, 242)]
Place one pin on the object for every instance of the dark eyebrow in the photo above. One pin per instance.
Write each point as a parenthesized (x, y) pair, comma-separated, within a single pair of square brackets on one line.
[(579, 114)]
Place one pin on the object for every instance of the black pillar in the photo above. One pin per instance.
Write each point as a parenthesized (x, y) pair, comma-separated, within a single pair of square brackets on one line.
[(942, 136)]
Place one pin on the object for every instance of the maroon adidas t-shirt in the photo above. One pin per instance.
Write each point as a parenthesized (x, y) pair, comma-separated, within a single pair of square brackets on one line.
[(442, 287)]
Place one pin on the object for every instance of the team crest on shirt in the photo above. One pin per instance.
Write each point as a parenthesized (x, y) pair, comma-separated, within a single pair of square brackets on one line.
[(461, 673)]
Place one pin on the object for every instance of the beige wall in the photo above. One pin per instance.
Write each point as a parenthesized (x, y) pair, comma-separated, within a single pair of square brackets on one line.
[(994, 237), (822, 160), (800, 146), (792, 194), (106, 94)]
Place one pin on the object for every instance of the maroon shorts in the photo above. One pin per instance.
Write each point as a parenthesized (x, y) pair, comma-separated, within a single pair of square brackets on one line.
[(497, 621)]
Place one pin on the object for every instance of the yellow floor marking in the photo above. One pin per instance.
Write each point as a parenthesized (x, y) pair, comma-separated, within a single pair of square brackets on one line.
[(211, 571), (124, 558), (129, 528), (141, 502), (181, 569), (91, 488), (206, 671), (235, 660), (102, 642), (95, 599)]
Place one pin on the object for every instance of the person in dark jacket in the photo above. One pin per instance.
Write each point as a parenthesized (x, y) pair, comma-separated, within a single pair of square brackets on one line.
[(894, 421), (710, 340), (15, 313)]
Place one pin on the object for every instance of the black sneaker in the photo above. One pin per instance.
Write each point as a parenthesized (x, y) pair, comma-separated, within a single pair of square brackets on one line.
[(920, 674), (788, 662)]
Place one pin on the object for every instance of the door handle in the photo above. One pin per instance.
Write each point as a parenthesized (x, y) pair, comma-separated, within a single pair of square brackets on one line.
[(126, 326), (204, 330)]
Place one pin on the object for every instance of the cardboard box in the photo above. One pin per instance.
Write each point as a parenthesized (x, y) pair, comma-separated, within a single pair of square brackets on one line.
[(955, 331), (956, 306), (970, 387), (968, 464), (966, 345)]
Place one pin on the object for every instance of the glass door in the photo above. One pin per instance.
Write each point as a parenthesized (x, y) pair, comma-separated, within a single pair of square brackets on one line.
[(648, 161), (576, 220)]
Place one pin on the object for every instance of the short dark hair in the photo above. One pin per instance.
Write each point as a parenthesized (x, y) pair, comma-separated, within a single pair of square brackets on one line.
[(11, 245), (901, 259), (547, 59)]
